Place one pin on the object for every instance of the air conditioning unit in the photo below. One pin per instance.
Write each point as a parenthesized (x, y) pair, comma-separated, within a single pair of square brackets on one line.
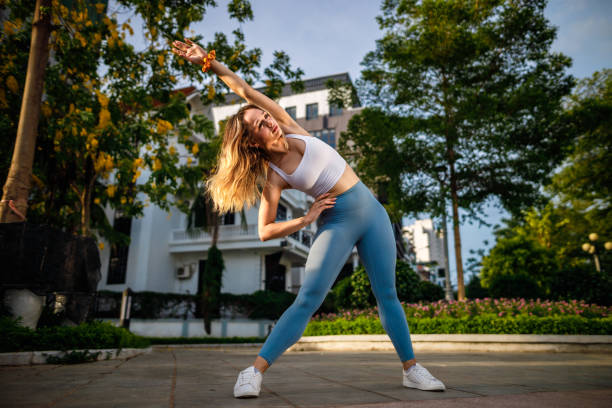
[(185, 271)]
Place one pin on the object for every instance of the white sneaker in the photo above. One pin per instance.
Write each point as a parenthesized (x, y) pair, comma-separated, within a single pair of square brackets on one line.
[(417, 376), (248, 383)]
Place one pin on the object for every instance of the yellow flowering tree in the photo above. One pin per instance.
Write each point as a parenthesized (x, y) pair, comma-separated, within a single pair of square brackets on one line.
[(110, 112)]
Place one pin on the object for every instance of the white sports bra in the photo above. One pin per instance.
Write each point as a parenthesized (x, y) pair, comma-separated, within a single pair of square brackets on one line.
[(320, 169)]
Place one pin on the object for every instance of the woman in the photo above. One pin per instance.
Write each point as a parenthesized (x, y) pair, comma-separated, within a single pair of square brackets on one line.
[(265, 150)]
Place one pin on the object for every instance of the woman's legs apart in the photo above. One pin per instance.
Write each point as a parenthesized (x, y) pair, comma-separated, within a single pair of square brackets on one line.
[(327, 255), (377, 252)]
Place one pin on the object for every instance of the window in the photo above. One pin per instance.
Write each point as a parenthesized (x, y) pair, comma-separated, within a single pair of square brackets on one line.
[(228, 219), (200, 217), (291, 111), (335, 110), (281, 213), (117, 264), (312, 110), (316, 133), (328, 136)]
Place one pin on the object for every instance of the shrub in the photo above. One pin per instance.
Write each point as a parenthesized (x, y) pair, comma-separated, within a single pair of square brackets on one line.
[(474, 290), (269, 304), (342, 293), (430, 291), (90, 335), (407, 283), (514, 285), (583, 282), (483, 324), (521, 256)]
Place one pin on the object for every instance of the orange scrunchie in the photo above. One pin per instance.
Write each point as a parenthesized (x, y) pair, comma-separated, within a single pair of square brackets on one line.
[(206, 61)]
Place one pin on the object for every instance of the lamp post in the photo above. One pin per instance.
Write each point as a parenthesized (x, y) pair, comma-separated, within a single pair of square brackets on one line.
[(592, 249)]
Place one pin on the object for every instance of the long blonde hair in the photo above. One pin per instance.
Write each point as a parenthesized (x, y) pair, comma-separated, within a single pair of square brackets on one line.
[(241, 169)]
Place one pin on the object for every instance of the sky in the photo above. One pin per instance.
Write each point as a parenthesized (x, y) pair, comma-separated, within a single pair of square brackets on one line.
[(325, 37)]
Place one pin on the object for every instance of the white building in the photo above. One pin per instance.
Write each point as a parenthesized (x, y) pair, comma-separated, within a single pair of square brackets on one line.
[(163, 257), (428, 246)]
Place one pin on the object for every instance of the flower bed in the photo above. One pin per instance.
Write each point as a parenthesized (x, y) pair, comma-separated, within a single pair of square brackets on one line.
[(493, 316), (470, 308)]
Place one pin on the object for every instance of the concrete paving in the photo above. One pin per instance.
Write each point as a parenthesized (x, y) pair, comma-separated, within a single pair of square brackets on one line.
[(205, 377)]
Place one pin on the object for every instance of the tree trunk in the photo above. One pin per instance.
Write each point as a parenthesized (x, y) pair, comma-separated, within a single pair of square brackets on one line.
[(90, 176), (447, 283), (455, 203), (18, 181)]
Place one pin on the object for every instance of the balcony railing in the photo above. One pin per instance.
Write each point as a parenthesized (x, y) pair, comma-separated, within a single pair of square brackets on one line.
[(225, 232), (234, 233), (303, 237)]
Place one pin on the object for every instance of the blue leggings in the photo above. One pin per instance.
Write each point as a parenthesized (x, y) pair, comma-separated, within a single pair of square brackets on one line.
[(359, 219)]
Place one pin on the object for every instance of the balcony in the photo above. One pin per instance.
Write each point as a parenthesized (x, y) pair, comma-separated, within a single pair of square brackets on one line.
[(235, 237), (226, 232), (303, 237)]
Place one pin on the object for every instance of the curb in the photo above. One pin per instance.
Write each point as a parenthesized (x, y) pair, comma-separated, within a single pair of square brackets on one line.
[(461, 342), (40, 357), (206, 345)]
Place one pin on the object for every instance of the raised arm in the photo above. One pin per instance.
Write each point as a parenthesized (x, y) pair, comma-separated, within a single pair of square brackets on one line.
[(194, 53)]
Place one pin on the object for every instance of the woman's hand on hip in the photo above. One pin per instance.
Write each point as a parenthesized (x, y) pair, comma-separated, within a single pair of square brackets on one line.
[(189, 50), (321, 203)]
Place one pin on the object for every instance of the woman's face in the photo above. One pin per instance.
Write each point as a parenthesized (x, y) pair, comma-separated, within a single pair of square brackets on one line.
[(264, 132)]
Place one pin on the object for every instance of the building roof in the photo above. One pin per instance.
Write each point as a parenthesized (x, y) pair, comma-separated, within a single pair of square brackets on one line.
[(310, 85)]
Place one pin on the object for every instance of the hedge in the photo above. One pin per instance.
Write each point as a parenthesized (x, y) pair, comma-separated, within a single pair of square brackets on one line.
[(484, 324), (90, 335)]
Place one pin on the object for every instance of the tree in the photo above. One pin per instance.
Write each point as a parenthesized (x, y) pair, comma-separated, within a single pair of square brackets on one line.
[(112, 127), (519, 266), (578, 200), (584, 181), (18, 181), (472, 95)]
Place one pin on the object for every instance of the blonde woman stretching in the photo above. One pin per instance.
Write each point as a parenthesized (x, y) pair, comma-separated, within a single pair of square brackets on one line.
[(265, 150)]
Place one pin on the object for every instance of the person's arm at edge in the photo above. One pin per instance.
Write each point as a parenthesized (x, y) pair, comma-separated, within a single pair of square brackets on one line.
[(267, 228)]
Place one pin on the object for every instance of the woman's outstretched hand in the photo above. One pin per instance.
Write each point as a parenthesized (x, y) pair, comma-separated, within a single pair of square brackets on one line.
[(321, 203), (189, 50)]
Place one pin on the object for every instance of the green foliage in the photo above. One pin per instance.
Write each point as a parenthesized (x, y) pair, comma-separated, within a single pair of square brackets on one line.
[(518, 284), (341, 94), (211, 285), (114, 131), (465, 103), (430, 292), (74, 357), (582, 282), (473, 97), (155, 305), (342, 293), (362, 295), (90, 335), (517, 261), (579, 205), (586, 177), (474, 290), (408, 285), (269, 304), (487, 306), (485, 324)]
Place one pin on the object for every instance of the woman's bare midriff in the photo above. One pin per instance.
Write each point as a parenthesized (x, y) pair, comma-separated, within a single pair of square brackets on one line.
[(347, 180)]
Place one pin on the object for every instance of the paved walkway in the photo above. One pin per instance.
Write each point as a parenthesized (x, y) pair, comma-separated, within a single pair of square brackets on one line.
[(201, 377)]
